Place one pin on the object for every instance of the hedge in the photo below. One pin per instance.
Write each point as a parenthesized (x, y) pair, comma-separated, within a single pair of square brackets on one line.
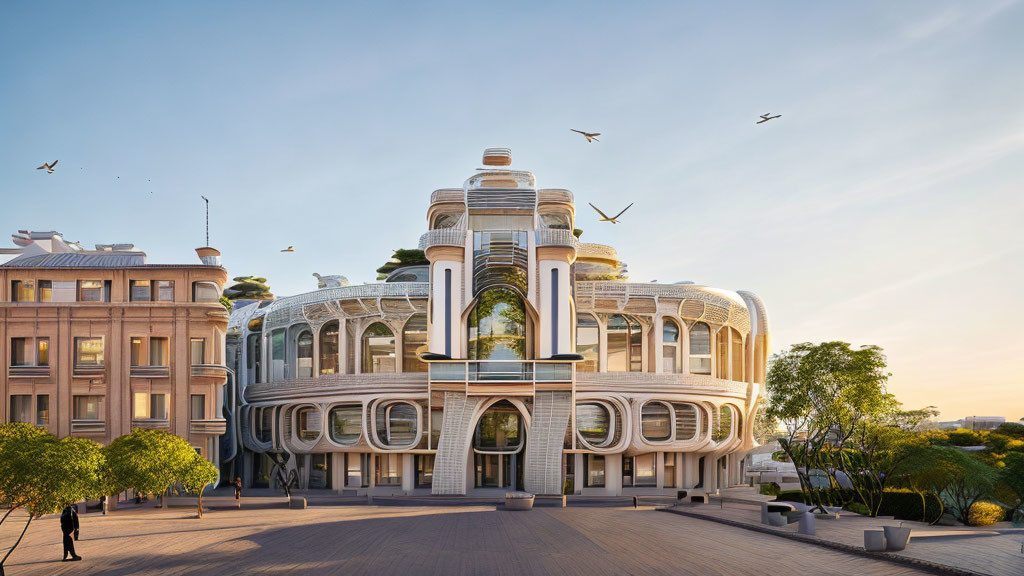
[(901, 504), (985, 513)]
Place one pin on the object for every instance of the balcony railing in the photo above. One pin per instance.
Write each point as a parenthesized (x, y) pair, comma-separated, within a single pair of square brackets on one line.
[(151, 423), (28, 372), (554, 195), (443, 237), (150, 371), (88, 371), (447, 195), (208, 371), (208, 427), (549, 237), (87, 426), (479, 374)]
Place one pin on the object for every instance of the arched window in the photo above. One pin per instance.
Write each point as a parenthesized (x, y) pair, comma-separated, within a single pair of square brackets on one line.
[(414, 343), (587, 342), (722, 426), (670, 347), (700, 349), (594, 423), (378, 349), (737, 354), (329, 348), (500, 429), (655, 422), (497, 326), (304, 354), (625, 344)]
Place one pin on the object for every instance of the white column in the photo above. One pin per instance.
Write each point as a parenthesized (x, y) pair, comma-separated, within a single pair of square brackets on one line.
[(546, 305), (659, 343)]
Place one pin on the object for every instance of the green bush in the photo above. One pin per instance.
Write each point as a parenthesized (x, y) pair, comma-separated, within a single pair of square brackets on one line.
[(985, 513), (857, 508), (770, 489), (901, 504)]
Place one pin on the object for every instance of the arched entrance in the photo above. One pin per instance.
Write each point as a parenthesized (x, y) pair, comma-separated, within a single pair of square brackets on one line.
[(499, 447)]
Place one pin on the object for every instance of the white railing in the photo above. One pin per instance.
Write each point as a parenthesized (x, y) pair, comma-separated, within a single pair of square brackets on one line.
[(549, 237), (554, 195), (443, 237), (447, 195)]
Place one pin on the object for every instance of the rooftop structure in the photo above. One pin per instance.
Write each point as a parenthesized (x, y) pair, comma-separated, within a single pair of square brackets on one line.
[(519, 358)]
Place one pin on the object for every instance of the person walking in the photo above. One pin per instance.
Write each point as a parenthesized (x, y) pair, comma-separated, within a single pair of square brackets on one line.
[(69, 526), (237, 485)]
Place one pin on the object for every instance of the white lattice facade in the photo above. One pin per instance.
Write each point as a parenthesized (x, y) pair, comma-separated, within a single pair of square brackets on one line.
[(516, 358)]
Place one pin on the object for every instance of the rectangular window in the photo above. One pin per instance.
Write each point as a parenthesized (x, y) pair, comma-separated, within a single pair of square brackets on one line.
[(197, 407), (89, 352), (158, 406), (205, 292), (645, 471), (43, 410), (670, 470), (90, 291), (140, 291), (593, 470), (23, 291), (164, 291), (45, 291), (627, 470), (424, 470), (87, 407), (197, 350), (159, 352), (20, 352), (700, 365), (136, 350), (357, 470), (140, 405), (42, 351), (21, 408), (389, 469)]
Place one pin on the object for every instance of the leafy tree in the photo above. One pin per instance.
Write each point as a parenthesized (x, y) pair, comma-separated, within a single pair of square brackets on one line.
[(824, 393), (248, 288), (42, 474), (147, 461), (970, 481), (1010, 487), (577, 232), (197, 474), (400, 259)]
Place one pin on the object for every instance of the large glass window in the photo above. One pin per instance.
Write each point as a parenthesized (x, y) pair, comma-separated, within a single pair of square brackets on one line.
[(655, 422), (21, 408), (45, 290), (346, 425), (197, 407), (329, 348), (378, 349), (396, 424), (205, 292), (389, 469), (723, 426), (446, 221), (593, 421), (304, 354), (625, 344), (686, 420), (700, 348), (140, 291), (93, 291), (414, 343), (497, 326), (309, 423), (197, 350), (159, 352), (149, 406), (42, 410), (164, 290), (424, 470), (556, 221), (87, 407), (89, 352), (737, 355), (264, 423), (23, 291), (278, 354), (670, 347), (21, 352), (587, 342), (499, 429), (593, 470)]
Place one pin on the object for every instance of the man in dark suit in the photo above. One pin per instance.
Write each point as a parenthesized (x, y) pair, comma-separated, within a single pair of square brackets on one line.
[(69, 526)]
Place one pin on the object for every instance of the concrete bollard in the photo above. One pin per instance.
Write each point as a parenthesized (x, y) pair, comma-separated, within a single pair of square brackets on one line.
[(297, 503), (806, 524)]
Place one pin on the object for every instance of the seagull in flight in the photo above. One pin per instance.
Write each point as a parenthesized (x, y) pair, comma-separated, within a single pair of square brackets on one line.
[(590, 136), (289, 249), (613, 219), (48, 167), (767, 117)]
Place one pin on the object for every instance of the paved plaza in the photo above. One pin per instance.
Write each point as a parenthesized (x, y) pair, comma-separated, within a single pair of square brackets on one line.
[(423, 540)]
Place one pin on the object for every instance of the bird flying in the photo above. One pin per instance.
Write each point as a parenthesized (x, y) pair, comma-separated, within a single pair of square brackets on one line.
[(48, 167), (590, 136), (613, 219), (766, 117), (289, 249)]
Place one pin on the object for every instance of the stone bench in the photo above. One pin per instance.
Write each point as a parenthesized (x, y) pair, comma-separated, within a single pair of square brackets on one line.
[(518, 501)]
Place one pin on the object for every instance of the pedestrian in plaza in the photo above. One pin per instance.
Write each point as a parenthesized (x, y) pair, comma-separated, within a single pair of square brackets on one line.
[(69, 526), (237, 485)]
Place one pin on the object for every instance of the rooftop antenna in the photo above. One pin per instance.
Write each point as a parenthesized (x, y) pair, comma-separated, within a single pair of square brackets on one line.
[(207, 200)]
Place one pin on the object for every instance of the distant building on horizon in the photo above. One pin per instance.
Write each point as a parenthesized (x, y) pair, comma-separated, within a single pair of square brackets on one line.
[(98, 342), (983, 422)]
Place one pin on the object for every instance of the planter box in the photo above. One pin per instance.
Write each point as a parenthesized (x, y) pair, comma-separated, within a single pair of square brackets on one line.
[(297, 503), (896, 538), (874, 540), (518, 501)]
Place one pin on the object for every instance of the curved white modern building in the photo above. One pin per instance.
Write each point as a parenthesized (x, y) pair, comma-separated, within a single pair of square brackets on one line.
[(519, 358)]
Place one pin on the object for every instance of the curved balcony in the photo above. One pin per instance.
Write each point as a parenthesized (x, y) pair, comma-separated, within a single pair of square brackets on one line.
[(447, 195), (151, 423), (150, 371), (443, 237), (650, 383), (554, 195), (548, 237), (208, 427), (28, 372), (208, 371), (413, 383)]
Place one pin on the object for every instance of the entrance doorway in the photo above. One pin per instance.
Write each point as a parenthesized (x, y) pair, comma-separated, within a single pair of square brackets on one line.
[(498, 448)]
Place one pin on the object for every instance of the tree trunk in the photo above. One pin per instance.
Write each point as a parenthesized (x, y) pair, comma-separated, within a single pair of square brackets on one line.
[(200, 506), (4, 560), (13, 508)]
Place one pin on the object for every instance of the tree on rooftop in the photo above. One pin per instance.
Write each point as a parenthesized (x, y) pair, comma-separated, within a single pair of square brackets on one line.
[(400, 259), (248, 288)]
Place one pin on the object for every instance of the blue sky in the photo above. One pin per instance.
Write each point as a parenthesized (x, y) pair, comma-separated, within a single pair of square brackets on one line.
[(884, 207)]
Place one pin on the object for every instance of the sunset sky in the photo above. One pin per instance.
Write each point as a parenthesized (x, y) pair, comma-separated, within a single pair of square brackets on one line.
[(884, 207)]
